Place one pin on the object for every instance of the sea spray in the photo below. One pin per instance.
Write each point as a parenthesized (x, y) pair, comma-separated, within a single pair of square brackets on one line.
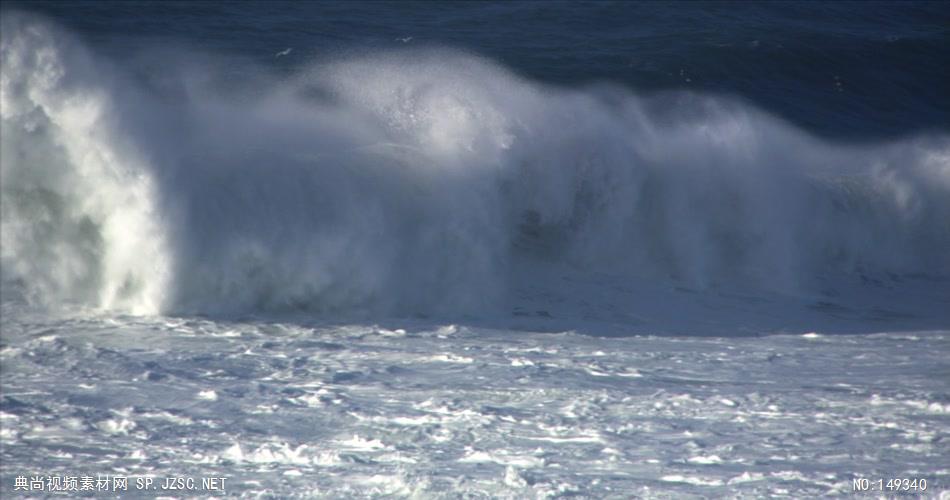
[(410, 181)]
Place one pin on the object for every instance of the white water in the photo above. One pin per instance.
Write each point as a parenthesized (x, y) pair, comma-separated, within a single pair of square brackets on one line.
[(419, 182), (421, 410)]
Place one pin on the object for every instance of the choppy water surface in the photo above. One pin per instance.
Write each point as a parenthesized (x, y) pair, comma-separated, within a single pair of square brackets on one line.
[(449, 411)]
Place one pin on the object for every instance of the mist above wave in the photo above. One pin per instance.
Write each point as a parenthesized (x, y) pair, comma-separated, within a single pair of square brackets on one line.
[(413, 181)]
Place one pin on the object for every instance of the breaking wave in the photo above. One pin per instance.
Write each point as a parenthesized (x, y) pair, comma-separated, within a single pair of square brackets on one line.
[(414, 181)]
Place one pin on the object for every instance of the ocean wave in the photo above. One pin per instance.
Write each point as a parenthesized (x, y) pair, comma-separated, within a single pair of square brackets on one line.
[(415, 180)]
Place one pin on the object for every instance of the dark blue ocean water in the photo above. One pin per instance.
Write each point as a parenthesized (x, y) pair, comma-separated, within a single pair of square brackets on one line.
[(847, 70)]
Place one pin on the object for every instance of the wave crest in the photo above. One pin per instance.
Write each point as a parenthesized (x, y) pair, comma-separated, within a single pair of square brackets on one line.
[(415, 181)]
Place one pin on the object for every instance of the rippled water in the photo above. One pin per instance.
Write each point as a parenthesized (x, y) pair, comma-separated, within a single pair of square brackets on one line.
[(290, 409)]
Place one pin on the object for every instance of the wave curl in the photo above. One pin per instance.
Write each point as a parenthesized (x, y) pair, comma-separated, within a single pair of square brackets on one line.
[(414, 181)]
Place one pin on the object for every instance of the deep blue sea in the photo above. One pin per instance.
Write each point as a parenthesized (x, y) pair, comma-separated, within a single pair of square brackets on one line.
[(474, 249), (852, 70)]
